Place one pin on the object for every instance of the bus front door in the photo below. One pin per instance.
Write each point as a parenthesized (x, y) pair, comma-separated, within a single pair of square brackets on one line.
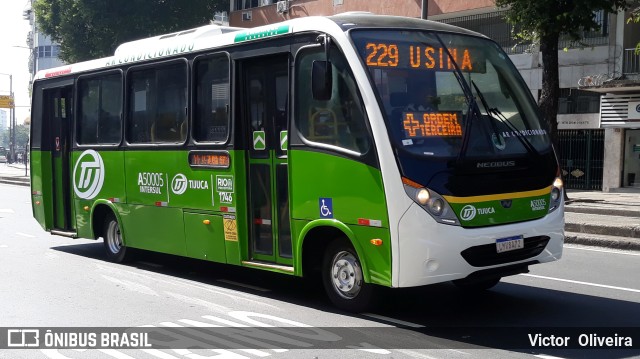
[(58, 114), (265, 115)]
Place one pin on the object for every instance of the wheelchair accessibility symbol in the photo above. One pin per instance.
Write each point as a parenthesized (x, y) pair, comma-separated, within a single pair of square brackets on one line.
[(326, 207)]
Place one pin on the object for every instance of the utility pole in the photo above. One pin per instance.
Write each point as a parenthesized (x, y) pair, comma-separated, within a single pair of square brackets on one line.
[(425, 9), (12, 120)]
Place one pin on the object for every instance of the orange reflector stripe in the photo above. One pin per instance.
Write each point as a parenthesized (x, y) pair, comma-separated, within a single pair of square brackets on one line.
[(411, 183)]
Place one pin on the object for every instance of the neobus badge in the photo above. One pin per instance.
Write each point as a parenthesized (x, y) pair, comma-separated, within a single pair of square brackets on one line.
[(88, 182)]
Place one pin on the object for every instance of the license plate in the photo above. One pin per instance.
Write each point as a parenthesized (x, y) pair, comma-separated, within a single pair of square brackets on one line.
[(509, 244)]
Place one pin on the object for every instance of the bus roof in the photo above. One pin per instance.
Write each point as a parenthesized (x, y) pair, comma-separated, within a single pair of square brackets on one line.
[(350, 20), (214, 36)]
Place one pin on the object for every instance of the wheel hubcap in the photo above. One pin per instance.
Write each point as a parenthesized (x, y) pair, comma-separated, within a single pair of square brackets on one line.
[(346, 275), (114, 238)]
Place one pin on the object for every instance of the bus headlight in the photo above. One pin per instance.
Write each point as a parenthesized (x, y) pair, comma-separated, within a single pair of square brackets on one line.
[(556, 194), (436, 207), (422, 196), (432, 202)]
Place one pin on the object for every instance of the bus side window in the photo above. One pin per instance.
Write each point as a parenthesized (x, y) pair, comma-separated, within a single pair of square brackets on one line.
[(339, 121), (141, 85), (100, 109), (211, 116), (157, 104)]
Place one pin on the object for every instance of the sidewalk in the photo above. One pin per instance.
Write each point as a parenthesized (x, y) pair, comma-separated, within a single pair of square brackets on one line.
[(603, 219), (592, 218), (14, 174)]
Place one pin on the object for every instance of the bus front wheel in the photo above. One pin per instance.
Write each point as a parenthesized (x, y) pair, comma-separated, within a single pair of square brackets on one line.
[(112, 237), (343, 278)]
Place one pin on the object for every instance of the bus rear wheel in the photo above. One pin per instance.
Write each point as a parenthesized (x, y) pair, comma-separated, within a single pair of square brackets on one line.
[(343, 278), (112, 237)]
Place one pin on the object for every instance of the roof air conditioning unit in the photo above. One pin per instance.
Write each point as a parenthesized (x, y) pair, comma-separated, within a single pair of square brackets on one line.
[(246, 16), (282, 7)]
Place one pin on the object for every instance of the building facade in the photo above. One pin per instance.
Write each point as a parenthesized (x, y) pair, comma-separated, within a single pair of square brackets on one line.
[(598, 149), (44, 52)]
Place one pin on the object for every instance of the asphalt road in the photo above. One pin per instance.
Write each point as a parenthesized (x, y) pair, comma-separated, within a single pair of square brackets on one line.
[(50, 281)]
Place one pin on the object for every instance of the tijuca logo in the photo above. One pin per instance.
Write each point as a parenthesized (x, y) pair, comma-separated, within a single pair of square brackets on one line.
[(87, 182)]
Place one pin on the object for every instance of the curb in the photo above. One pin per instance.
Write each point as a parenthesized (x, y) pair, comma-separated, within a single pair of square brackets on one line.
[(625, 231), (595, 240), (16, 182), (603, 211)]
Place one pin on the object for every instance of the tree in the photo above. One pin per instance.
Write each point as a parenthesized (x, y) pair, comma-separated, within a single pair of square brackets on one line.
[(4, 137), (544, 21), (635, 18), (89, 29), (22, 136)]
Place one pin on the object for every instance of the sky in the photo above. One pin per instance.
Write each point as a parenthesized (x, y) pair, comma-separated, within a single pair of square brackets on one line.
[(15, 61)]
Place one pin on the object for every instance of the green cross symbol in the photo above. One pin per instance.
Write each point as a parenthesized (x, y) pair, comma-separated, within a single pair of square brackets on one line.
[(259, 140), (284, 140)]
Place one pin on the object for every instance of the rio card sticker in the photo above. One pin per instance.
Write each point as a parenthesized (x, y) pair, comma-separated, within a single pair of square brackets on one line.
[(224, 186), (230, 228)]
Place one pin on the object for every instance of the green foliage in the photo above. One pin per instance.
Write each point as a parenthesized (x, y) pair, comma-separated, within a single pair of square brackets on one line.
[(22, 136), (89, 29), (4, 138), (635, 18), (540, 18)]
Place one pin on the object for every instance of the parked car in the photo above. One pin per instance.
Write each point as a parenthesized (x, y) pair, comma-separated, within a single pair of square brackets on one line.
[(3, 159)]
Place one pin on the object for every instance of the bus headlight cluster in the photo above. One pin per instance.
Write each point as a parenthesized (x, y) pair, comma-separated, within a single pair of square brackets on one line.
[(433, 203), (556, 194)]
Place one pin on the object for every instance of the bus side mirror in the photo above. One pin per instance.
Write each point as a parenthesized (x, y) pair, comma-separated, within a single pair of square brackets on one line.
[(321, 80)]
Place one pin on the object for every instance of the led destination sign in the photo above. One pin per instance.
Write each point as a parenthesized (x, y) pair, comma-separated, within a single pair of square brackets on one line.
[(209, 159), (423, 57), (432, 124)]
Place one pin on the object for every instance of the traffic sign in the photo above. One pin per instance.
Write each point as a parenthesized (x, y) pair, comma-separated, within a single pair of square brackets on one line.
[(6, 101)]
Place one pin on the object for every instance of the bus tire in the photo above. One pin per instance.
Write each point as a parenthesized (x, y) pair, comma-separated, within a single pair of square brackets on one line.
[(112, 238), (477, 286), (343, 278)]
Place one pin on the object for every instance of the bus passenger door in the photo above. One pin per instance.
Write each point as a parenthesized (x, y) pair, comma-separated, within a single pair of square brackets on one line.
[(57, 113), (265, 117)]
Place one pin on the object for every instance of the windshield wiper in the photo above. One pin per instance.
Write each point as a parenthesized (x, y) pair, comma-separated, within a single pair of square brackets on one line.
[(473, 106), (502, 118)]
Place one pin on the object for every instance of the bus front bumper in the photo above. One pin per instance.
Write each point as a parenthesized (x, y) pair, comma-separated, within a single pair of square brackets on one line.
[(430, 252)]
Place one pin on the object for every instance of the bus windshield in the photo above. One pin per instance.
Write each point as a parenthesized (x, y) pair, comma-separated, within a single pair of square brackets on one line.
[(450, 95)]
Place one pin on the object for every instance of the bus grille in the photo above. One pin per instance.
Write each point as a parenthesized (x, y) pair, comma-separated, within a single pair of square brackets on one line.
[(486, 255)]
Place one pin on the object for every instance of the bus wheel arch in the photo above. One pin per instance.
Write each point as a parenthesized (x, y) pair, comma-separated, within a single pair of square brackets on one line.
[(99, 213), (316, 238), (343, 278), (107, 225), (330, 254)]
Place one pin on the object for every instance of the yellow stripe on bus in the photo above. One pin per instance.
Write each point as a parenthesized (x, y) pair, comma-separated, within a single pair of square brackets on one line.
[(497, 197)]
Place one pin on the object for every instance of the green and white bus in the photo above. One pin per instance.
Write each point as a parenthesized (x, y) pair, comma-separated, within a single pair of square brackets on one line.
[(374, 150)]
